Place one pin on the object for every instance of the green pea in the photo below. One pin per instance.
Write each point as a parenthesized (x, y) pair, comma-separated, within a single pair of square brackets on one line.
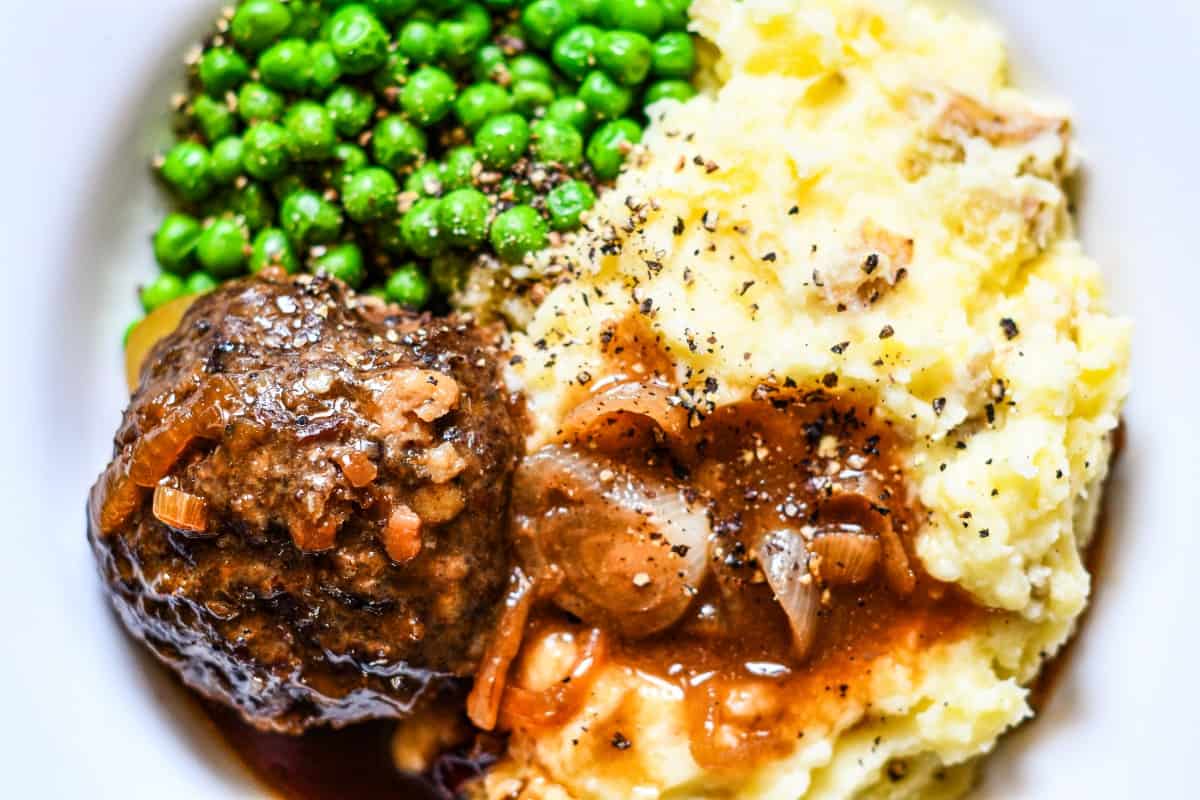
[(307, 18), (420, 230), (502, 140), (556, 142), (462, 217), (604, 97), (259, 103), (389, 10), (610, 144), (516, 191), (569, 110), (214, 118), (443, 7), (428, 96), (397, 143), (358, 39), (573, 50), (458, 171), (674, 55), (162, 290), (528, 67), (588, 9), (287, 184), (227, 159), (369, 194), (221, 69), (347, 159), (544, 20), (286, 66), (530, 98), (518, 231), (252, 203), (512, 32), (350, 108), (476, 18), (387, 236), (344, 262), (643, 16), (419, 41), (675, 14), (272, 249), (222, 247), (425, 181), (308, 219), (567, 202), (488, 63), (480, 101), (458, 40), (265, 150), (668, 90), (311, 135), (257, 23), (424, 15), (175, 242), (200, 282), (392, 74), (187, 168), (408, 287), (326, 69), (625, 55)]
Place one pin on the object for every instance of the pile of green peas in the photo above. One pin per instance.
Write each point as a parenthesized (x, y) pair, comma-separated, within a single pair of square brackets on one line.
[(388, 142)]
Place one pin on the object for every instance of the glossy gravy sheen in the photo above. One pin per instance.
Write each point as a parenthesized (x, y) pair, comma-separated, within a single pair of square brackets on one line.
[(859, 625), (777, 462)]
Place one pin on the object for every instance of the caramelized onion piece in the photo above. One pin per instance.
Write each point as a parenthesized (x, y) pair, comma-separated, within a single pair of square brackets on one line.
[(402, 534), (855, 507), (483, 703), (555, 705), (846, 557), (115, 497), (896, 569), (202, 416), (630, 551), (783, 557), (607, 419), (180, 510)]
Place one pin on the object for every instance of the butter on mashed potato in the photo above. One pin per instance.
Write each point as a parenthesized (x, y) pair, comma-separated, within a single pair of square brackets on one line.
[(860, 202)]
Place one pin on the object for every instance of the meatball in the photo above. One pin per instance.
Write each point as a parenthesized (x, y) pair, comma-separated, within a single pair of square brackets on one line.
[(305, 511)]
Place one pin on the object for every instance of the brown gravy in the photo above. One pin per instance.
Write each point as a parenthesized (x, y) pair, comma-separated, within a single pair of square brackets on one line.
[(861, 624), (322, 764), (812, 463)]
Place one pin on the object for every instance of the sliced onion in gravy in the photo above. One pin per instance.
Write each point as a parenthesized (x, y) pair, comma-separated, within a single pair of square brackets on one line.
[(783, 557), (626, 415), (846, 557), (850, 508), (628, 552)]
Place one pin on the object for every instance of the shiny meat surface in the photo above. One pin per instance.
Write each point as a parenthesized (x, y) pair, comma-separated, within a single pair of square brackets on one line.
[(305, 510)]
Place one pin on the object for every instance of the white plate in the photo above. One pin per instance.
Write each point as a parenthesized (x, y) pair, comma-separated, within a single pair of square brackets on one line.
[(84, 88)]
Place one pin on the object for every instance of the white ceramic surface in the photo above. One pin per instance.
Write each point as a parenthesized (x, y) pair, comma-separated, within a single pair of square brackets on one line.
[(84, 87)]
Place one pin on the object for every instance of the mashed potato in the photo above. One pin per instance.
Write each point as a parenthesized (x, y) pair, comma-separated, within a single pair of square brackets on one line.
[(862, 203)]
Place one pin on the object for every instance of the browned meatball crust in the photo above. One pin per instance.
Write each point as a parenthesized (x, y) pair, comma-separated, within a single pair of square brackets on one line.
[(305, 511)]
